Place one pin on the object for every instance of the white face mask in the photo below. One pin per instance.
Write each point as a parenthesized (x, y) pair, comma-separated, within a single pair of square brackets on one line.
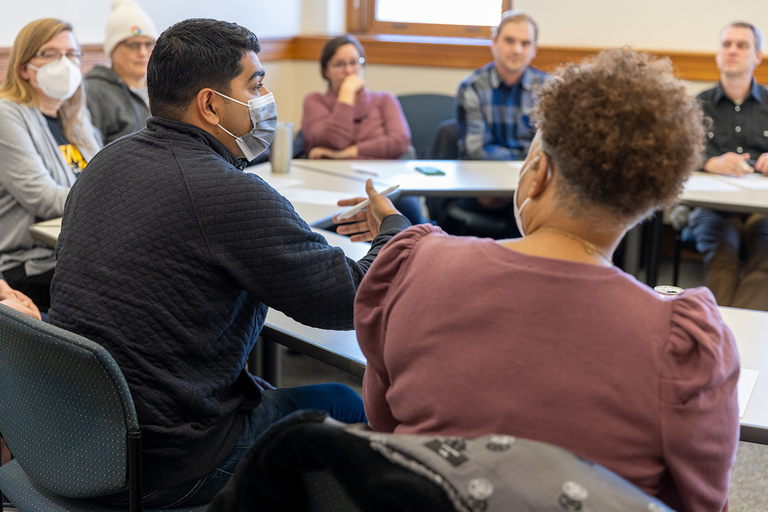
[(58, 79), (263, 112), (518, 210)]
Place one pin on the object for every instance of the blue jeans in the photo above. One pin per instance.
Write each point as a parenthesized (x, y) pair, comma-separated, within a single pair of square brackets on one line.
[(338, 400), (735, 249)]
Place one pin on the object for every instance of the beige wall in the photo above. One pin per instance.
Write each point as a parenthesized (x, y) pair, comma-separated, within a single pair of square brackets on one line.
[(89, 17), (290, 81), (683, 25), (688, 25)]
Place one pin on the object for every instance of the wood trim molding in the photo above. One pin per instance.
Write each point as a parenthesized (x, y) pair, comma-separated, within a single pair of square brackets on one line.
[(436, 52), (272, 49), (473, 53), (94, 54)]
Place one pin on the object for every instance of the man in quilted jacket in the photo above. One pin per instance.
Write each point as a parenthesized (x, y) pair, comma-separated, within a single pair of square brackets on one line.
[(170, 255)]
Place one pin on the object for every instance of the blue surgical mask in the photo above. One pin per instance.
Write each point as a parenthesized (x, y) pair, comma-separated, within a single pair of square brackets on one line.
[(264, 118)]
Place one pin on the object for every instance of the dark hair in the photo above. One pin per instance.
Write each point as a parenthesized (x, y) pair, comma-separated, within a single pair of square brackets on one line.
[(622, 131), (192, 55), (330, 47)]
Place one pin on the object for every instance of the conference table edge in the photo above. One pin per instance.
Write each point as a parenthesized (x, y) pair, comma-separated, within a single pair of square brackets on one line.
[(321, 352), (409, 189)]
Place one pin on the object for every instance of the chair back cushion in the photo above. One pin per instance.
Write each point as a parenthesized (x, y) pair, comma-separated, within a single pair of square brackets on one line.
[(65, 408), (423, 113), (369, 471)]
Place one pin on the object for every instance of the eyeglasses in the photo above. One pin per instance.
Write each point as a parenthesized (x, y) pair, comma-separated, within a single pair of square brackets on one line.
[(51, 54), (136, 46), (341, 64)]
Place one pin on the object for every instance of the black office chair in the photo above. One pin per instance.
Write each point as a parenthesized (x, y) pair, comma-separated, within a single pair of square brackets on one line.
[(309, 463), (68, 417), (424, 112), (450, 213)]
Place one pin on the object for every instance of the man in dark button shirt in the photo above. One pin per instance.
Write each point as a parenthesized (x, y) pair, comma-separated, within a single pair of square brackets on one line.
[(735, 245), (170, 255)]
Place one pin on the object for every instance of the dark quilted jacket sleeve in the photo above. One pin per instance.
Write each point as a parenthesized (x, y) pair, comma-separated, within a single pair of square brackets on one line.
[(256, 234)]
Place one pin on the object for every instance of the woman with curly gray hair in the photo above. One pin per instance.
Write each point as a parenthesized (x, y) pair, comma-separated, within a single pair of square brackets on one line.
[(542, 337)]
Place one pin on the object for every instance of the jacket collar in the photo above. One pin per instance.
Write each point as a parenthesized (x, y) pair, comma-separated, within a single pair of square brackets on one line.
[(177, 130), (753, 93)]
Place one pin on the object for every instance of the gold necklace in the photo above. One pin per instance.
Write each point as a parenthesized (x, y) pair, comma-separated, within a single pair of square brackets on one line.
[(589, 247)]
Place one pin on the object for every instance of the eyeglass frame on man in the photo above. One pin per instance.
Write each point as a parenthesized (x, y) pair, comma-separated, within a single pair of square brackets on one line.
[(341, 64), (51, 54), (135, 46)]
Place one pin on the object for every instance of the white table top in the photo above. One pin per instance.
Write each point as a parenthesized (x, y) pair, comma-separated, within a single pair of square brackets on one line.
[(466, 178), (47, 231), (750, 328), (313, 194), (462, 177), (745, 194)]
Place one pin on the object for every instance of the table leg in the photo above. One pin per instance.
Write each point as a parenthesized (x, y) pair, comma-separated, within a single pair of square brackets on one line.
[(655, 225), (265, 360), (632, 248)]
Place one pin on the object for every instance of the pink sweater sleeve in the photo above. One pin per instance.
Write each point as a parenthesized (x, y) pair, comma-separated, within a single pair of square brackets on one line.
[(699, 409), (325, 124), (372, 304), (394, 142)]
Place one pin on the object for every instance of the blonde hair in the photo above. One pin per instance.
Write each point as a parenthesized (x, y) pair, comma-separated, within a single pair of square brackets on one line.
[(516, 16), (73, 111)]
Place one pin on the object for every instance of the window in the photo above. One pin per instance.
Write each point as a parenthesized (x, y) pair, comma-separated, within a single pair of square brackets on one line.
[(425, 17)]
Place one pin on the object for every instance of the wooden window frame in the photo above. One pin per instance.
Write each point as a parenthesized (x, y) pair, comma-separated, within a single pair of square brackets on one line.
[(361, 20)]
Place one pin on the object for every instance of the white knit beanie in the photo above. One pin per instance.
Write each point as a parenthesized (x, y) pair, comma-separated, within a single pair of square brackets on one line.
[(128, 19)]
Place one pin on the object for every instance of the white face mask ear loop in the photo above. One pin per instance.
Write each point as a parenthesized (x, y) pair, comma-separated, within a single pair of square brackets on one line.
[(230, 99), (227, 131)]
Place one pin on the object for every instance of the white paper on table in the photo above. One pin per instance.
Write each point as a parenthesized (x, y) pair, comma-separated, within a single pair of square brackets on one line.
[(708, 184), (757, 181), (308, 196), (747, 379), (382, 172), (281, 183)]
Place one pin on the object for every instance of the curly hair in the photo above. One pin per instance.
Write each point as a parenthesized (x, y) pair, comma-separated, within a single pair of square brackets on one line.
[(622, 132)]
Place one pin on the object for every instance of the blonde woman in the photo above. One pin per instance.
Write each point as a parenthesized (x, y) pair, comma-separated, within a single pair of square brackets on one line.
[(46, 140)]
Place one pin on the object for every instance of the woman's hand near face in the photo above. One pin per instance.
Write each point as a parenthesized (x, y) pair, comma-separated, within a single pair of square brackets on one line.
[(349, 89)]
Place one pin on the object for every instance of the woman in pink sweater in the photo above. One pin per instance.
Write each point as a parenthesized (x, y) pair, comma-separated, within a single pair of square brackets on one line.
[(349, 121), (542, 337)]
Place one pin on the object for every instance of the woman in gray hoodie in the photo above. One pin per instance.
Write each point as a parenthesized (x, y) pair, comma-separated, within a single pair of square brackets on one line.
[(117, 95)]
